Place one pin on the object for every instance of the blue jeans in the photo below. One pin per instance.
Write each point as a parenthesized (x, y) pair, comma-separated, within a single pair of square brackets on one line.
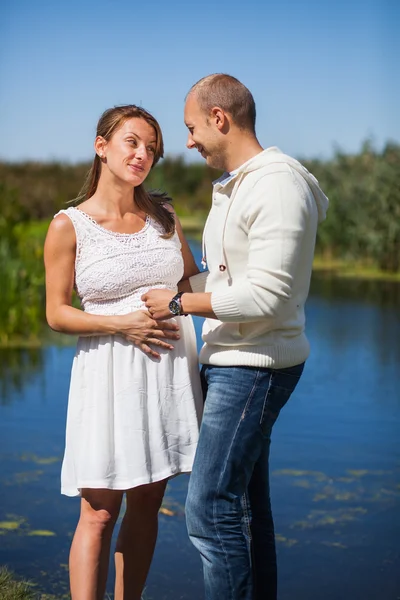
[(228, 508)]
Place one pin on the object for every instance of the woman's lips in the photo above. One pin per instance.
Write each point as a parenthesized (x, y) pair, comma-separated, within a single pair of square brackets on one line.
[(137, 168)]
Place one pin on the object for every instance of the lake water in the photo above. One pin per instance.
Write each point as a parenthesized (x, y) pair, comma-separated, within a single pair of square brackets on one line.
[(335, 463)]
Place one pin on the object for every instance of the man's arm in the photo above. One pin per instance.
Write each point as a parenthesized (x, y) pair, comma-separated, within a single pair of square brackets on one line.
[(198, 304), (277, 227), (277, 224)]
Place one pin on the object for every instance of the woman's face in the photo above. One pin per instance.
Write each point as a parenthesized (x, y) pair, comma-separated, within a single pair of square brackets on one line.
[(129, 154)]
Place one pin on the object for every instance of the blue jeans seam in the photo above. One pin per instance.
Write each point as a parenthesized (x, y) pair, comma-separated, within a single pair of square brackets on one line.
[(246, 516), (265, 399), (249, 398), (223, 472)]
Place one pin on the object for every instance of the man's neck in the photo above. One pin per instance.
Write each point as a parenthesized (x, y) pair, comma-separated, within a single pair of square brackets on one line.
[(241, 149)]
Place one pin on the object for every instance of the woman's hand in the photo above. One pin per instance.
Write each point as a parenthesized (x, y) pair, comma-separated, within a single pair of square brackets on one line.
[(141, 329)]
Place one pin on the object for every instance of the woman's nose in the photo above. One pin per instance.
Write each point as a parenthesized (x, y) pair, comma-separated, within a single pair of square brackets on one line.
[(141, 152)]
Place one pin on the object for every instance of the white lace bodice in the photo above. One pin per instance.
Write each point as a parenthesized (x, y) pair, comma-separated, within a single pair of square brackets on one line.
[(113, 270)]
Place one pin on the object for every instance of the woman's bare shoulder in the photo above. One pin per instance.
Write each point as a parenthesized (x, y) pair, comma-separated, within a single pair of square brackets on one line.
[(61, 222), (61, 229)]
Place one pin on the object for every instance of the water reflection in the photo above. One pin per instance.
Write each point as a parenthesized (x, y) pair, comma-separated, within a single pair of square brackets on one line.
[(378, 293), (361, 319), (17, 368)]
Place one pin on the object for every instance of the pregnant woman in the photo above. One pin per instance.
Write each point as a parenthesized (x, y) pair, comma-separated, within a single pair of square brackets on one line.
[(135, 399)]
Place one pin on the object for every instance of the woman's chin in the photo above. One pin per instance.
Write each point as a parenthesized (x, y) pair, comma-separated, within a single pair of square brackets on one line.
[(133, 180)]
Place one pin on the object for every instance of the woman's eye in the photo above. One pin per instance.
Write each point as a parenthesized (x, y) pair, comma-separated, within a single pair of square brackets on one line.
[(132, 142), (151, 149)]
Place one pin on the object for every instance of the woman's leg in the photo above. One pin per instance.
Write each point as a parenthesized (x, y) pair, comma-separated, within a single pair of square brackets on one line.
[(90, 550), (136, 539)]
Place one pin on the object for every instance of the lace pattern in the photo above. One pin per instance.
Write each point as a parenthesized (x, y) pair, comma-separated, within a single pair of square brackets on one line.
[(113, 270)]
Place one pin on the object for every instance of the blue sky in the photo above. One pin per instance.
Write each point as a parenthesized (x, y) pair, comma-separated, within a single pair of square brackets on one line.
[(323, 73)]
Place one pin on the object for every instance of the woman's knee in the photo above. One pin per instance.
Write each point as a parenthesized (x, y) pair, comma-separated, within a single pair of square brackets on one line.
[(146, 498), (100, 509)]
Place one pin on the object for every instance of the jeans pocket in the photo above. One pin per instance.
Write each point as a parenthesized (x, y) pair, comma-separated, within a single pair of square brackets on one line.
[(282, 384)]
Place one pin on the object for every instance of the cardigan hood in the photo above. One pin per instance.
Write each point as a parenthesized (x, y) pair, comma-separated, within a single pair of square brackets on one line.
[(270, 157)]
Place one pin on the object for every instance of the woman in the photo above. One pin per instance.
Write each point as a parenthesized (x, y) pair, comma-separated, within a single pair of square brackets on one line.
[(135, 398)]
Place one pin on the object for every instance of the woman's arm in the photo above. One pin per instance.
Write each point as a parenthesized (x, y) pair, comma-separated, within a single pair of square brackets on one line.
[(196, 283), (59, 256), (158, 300), (190, 267), (189, 264)]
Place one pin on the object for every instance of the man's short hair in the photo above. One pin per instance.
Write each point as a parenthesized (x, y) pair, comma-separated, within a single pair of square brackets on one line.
[(228, 93)]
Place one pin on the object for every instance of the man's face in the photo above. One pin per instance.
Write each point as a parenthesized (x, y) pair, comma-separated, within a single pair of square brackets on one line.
[(203, 134)]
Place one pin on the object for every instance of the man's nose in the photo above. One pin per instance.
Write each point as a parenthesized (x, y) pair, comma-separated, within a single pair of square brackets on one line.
[(190, 143)]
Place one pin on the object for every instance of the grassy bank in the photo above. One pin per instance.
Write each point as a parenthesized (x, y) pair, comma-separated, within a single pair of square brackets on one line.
[(193, 225), (351, 270), (14, 589)]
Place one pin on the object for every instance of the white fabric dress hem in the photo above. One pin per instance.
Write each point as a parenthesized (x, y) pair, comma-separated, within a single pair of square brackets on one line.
[(117, 486)]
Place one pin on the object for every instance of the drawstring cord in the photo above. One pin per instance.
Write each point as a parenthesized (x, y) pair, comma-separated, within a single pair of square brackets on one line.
[(203, 245), (223, 266)]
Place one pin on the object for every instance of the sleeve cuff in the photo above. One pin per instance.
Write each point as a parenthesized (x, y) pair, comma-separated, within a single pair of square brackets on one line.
[(225, 306)]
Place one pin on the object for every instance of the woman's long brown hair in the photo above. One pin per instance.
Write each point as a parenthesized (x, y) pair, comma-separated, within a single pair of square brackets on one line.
[(152, 203)]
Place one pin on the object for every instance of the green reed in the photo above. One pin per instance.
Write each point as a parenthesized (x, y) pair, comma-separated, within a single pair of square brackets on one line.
[(22, 292)]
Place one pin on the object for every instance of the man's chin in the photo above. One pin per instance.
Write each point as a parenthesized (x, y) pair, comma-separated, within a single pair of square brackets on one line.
[(209, 160), (214, 163)]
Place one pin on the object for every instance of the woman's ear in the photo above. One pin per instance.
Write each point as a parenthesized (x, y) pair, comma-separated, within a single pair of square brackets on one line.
[(100, 146)]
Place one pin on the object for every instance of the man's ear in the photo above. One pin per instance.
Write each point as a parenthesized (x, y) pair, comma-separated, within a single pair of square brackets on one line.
[(219, 117)]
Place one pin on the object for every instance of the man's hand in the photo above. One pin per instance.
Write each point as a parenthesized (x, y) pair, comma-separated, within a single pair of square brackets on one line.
[(157, 302)]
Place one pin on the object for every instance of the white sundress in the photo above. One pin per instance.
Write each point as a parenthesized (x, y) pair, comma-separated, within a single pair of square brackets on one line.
[(131, 419)]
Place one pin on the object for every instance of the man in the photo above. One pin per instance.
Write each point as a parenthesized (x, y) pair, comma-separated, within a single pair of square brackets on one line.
[(258, 245)]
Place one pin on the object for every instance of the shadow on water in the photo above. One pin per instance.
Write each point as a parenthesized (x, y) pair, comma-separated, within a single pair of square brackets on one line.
[(335, 462)]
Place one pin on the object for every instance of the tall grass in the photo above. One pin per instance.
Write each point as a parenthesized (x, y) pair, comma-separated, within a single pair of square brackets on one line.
[(22, 292), (12, 589)]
